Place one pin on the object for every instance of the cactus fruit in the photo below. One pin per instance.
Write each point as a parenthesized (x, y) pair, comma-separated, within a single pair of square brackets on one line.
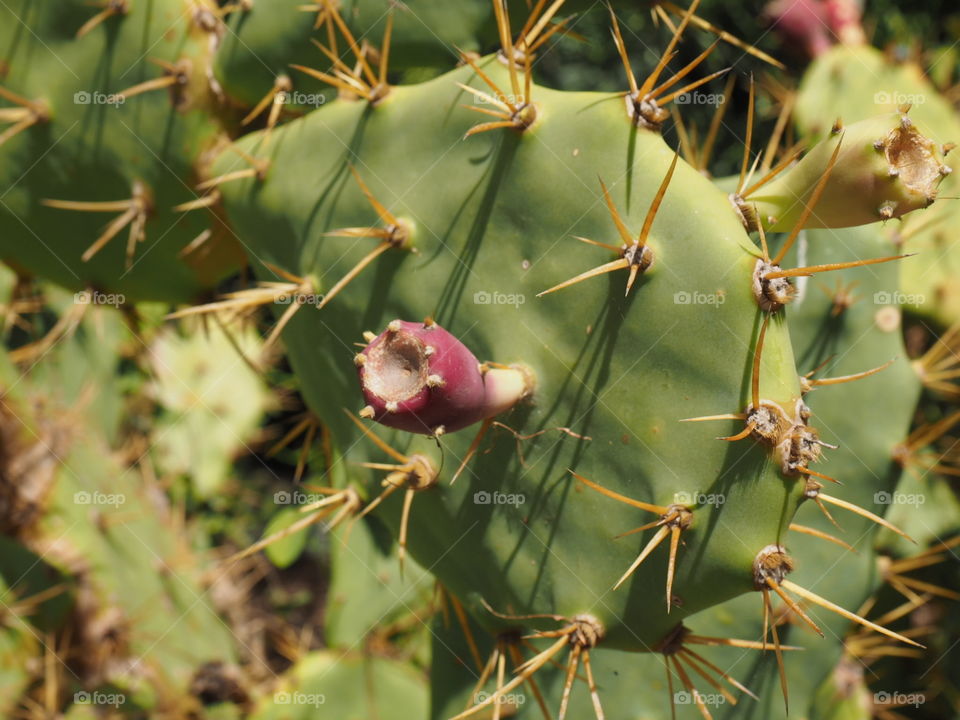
[(830, 88), (884, 162), (419, 378), (608, 418)]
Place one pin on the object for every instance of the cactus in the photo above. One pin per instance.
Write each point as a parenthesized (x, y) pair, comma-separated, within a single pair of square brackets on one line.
[(112, 555), (474, 235), (830, 89), (637, 426), (107, 142), (364, 565)]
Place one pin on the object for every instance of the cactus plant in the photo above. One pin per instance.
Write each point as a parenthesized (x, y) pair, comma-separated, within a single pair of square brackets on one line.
[(471, 234), (107, 141), (634, 424), (111, 550)]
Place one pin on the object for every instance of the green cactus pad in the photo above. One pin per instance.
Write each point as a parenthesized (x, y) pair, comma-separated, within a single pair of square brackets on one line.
[(623, 371), (90, 144)]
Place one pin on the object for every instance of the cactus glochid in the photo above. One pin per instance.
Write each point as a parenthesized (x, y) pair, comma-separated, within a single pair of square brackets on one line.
[(609, 403)]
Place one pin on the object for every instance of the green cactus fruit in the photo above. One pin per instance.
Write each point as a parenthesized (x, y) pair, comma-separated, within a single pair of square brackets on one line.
[(113, 122), (879, 168), (859, 82)]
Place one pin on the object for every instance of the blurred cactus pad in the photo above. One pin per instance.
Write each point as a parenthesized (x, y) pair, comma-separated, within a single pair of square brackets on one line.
[(430, 360)]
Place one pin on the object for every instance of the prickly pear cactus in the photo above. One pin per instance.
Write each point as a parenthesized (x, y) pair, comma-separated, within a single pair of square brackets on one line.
[(107, 552), (557, 413), (573, 325), (111, 122), (484, 203)]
